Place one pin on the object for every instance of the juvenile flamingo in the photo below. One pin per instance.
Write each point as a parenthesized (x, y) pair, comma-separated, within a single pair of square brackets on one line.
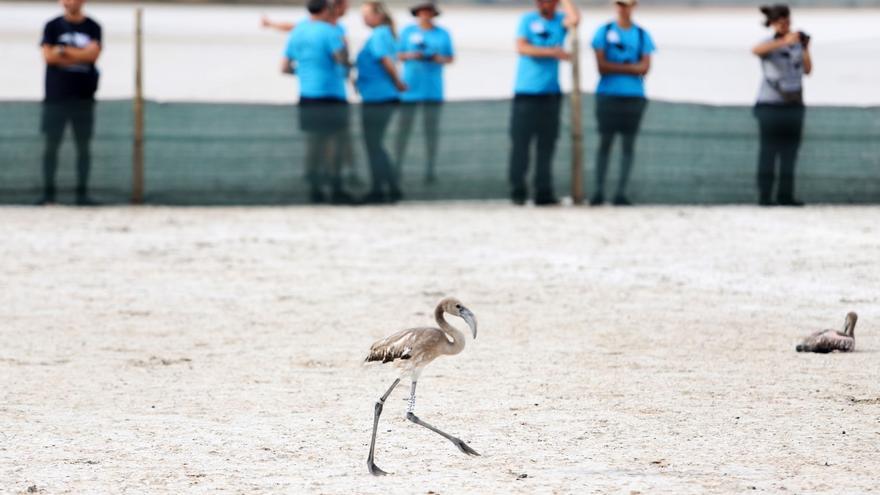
[(825, 341), (413, 349)]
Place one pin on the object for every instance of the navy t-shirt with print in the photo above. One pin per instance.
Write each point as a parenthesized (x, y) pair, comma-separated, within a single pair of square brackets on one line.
[(72, 82)]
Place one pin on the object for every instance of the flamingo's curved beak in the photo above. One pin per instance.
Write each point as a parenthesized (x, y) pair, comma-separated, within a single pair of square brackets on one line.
[(470, 319)]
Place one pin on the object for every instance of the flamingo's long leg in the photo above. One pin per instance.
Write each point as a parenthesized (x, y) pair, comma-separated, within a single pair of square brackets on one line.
[(415, 419), (371, 466)]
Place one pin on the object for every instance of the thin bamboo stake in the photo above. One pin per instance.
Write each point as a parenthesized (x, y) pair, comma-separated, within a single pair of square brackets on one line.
[(137, 186), (577, 131)]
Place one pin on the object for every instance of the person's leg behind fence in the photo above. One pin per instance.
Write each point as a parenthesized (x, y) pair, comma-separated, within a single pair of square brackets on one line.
[(431, 112), (790, 142), (83, 124), (605, 123), (768, 151), (405, 116), (631, 111), (522, 128), (52, 123), (547, 114), (375, 118)]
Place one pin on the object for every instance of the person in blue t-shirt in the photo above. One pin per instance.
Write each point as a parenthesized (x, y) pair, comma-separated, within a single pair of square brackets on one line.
[(623, 56), (538, 100), (425, 49), (379, 85), (318, 49)]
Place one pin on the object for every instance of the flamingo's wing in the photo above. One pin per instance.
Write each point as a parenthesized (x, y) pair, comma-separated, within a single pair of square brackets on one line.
[(404, 344)]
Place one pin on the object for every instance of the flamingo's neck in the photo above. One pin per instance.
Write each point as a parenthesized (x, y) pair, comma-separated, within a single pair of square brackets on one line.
[(452, 333), (849, 328)]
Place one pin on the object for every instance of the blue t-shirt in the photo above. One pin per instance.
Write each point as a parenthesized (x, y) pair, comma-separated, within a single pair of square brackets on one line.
[(424, 77), (539, 75), (313, 44), (622, 46), (373, 81)]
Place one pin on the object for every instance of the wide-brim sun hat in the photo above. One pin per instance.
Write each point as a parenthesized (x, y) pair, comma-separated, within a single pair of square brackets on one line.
[(414, 10)]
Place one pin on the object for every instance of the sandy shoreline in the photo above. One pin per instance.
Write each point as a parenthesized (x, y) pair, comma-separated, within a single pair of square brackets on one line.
[(649, 350)]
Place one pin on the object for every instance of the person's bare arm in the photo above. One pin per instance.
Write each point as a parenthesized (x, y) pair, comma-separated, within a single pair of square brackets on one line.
[(391, 69), (69, 55), (523, 47), (638, 69), (808, 62), (341, 57), (86, 55), (286, 67), (762, 49), (277, 25), (572, 14), (52, 56), (440, 59)]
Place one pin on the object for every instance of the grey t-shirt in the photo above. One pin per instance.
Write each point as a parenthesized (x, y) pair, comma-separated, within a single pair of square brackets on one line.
[(783, 71)]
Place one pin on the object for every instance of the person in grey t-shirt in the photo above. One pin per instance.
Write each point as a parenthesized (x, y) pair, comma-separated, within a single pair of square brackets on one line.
[(785, 59)]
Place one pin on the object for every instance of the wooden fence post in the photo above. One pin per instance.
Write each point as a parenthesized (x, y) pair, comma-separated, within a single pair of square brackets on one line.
[(137, 186), (577, 131)]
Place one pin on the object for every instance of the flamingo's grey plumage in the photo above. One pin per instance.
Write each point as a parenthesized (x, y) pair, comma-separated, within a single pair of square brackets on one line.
[(413, 349), (825, 341)]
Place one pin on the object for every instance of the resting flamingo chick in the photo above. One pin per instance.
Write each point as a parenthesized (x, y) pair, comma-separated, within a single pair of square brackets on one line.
[(413, 349), (826, 341)]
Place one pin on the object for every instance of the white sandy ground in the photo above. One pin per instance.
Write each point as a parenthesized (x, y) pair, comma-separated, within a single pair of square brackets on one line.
[(219, 53), (645, 350)]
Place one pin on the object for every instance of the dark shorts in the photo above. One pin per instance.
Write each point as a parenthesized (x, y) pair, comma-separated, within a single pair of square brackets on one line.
[(619, 114), (323, 115), (56, 115)]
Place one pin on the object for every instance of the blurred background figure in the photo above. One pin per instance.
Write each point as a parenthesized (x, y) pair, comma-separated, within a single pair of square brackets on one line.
[(623, 56), (424, 48), (785, 58), (538, 98), (379, 84), (320, 54), (71, 45)]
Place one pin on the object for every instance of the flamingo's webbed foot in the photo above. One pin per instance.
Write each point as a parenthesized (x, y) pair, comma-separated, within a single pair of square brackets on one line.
[(374, 469), (464, 447)]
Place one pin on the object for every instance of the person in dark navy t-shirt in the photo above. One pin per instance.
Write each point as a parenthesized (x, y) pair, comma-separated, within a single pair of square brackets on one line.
[(71, 45)]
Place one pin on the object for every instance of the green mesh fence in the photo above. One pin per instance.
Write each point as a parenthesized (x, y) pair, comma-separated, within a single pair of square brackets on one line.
[(254, 154)]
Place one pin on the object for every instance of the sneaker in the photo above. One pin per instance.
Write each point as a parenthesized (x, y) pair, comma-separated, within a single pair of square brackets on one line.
[(518, 196), (373, 198), (316, 196), (597, 199), (621, 200), (86, 200), (546, 201), (340, 197), (790, 202), (767, 202)]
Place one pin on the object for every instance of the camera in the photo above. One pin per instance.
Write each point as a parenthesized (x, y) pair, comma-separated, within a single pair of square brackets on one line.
[(805, 38)]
